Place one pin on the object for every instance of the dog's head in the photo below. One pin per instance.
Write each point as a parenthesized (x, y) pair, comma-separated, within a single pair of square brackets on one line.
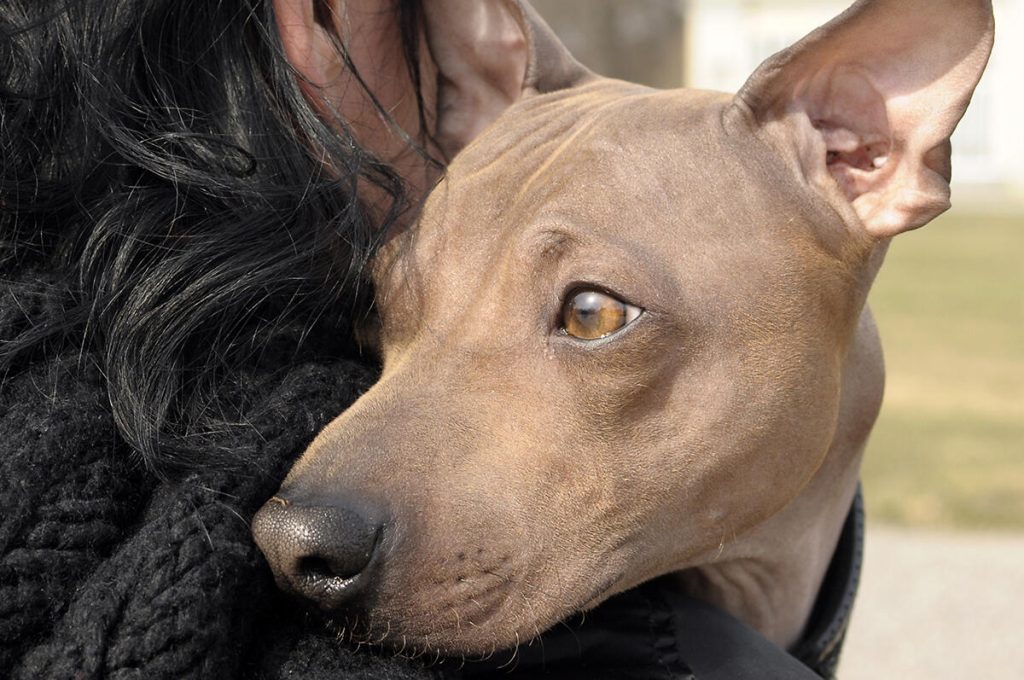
[(614, 340)]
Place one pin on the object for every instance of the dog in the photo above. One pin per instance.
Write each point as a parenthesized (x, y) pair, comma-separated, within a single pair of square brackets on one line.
[(627, 336)]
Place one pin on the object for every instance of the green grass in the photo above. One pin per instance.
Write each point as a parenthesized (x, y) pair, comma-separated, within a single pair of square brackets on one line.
[(948, 449)]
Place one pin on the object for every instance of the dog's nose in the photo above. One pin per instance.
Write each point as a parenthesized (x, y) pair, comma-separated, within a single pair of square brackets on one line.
[(322, 553)]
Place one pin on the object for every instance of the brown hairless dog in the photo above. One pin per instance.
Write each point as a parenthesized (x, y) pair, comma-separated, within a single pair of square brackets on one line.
[(627, 336)]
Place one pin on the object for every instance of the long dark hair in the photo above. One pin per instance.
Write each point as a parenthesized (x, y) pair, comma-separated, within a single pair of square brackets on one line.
[(160, 155)]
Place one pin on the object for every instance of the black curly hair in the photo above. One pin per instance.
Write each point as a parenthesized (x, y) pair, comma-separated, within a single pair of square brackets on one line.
[(161, 156)]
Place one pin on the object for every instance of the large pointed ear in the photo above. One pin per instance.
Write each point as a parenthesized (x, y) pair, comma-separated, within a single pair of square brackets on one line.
[(490, 54), (870, 100), (477, 57)]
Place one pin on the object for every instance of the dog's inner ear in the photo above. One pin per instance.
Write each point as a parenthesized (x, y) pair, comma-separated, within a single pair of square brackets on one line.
[(476, 58), (871, 99), (489, 54), (481, 52)]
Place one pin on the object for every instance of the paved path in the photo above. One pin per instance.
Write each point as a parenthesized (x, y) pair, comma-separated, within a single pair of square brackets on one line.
[(938, 606)]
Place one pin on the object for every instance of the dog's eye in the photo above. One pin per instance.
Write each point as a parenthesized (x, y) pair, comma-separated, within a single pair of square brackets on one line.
[(591, 314)]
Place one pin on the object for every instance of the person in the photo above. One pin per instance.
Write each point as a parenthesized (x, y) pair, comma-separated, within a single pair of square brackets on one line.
[(189, 194), (181, 246)]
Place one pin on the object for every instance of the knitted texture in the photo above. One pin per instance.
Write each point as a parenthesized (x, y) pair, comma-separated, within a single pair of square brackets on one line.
[(107, 571)]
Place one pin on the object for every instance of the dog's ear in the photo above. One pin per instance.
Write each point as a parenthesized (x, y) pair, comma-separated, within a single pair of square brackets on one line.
[(477, 57), (869, 101), (489, 54)]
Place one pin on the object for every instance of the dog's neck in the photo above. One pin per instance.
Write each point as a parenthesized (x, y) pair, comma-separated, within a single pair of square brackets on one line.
[(771, 576), (773, 583)]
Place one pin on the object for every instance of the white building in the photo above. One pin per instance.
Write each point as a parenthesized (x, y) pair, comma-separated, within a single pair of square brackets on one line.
[(727, 39)]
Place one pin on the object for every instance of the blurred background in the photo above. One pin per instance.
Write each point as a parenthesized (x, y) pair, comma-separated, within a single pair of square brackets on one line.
[(943, 588)]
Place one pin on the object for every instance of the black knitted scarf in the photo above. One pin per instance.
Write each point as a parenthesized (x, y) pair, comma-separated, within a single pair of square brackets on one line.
[(109, 572)]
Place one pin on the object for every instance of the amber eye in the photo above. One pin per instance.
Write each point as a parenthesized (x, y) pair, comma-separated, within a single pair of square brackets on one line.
[(591, 314)]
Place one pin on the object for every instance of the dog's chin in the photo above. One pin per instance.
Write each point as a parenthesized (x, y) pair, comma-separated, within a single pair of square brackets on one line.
[(473, 624), (465, 641)]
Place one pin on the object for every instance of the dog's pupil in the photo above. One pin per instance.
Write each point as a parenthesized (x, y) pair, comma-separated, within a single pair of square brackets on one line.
[(590, 315)]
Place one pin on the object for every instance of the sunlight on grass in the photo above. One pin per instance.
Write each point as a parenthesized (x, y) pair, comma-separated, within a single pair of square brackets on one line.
[(949, 446)]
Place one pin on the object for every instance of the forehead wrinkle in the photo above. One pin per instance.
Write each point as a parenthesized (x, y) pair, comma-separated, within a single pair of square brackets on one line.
[(549, 246), (554, 156), (593, 118)]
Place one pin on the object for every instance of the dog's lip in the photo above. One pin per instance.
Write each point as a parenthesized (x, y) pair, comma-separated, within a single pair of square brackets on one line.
[(601, 593)]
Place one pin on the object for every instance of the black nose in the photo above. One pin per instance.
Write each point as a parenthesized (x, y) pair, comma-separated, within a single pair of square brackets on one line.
[(322, 553)]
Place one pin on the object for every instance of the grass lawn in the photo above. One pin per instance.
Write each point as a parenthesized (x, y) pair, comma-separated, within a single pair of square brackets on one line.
[(948, 449)]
